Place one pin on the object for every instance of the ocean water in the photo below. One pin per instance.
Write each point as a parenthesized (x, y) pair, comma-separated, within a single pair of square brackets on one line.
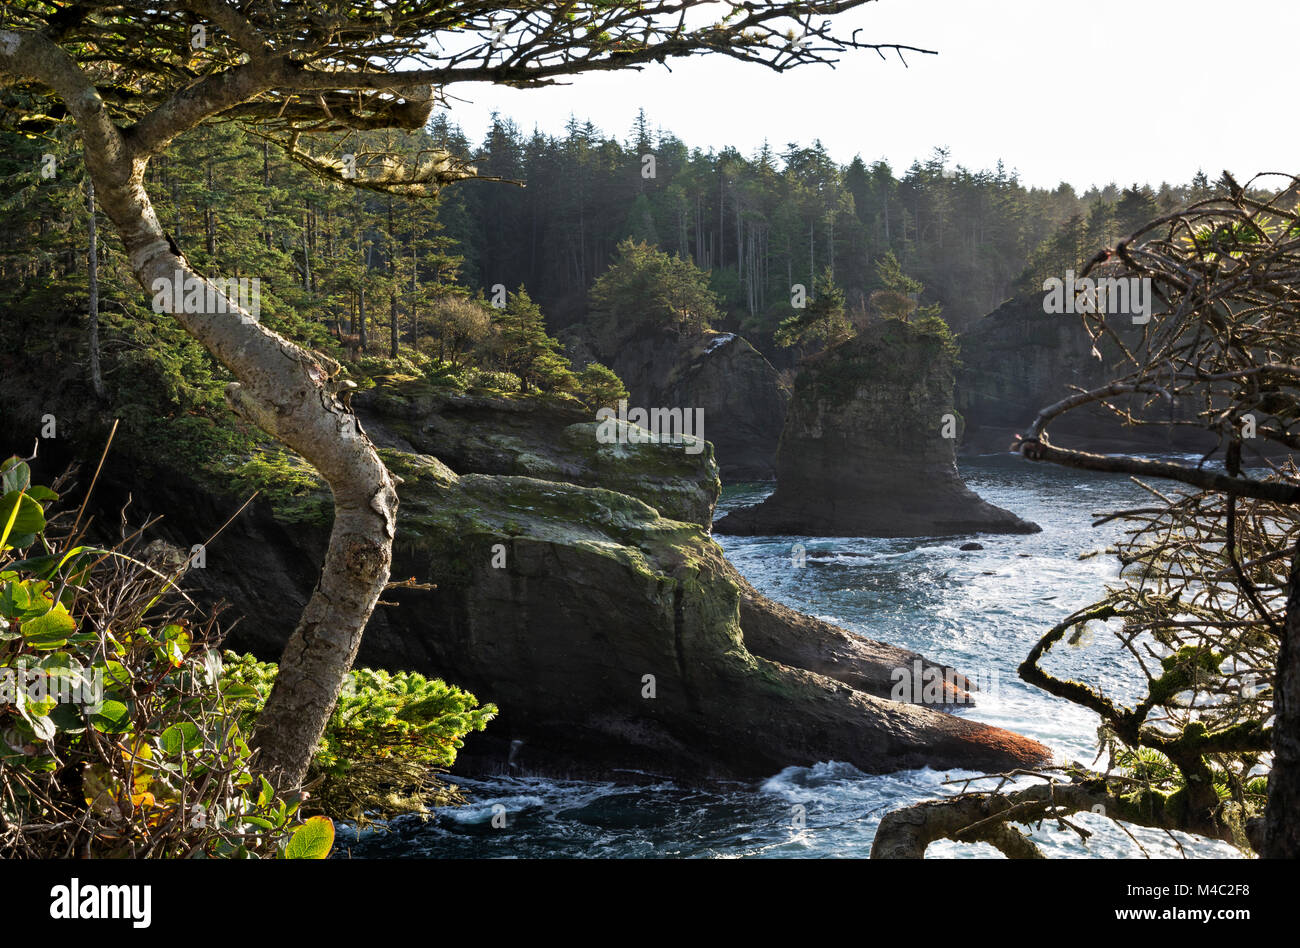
[(979, 611)]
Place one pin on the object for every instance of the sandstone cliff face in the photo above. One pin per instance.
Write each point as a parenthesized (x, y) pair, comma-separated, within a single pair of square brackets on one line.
[(740, 392), (556, 600), (863, 451)]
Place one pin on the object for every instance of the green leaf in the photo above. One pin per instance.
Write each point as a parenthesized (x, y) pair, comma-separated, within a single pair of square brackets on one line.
[(180, 738), (15, 600), (115, 674), (174, 650), (67, 718), (113, 717), (42, 726), (50, 630), (41, 708), (42, 567), (23, 517), (60, 661), (313, 840), (15, 475)]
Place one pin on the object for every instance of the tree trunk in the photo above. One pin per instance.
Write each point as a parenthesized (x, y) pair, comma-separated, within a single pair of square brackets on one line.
[(812, 260), (362, 342), (92, 275), (392, 293), (392, 325), (415, 315), (266, 185), (1282, 815), (722, 219), (210, 219), (281, 387), (306, 251)]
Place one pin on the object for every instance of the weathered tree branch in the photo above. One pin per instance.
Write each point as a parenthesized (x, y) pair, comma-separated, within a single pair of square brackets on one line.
[(134, 81), (982, 817), (1275, 491), (281, 388)]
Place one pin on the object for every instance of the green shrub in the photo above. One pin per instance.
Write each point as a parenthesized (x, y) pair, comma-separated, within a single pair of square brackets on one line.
[(123, 733), (932, 324), (600, 387), (296, 492), (490, 382), (116, 738), (389, 735)]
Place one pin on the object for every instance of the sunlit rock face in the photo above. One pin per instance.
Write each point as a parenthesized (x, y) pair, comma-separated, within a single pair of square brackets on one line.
[(612, 637), (533, 438), (607, 625), (868, 447)]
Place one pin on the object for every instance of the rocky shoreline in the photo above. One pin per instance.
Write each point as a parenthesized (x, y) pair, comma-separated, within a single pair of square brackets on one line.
[(612, 636)]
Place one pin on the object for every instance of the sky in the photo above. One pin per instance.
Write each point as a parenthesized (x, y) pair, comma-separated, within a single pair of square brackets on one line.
[(1107, 91)]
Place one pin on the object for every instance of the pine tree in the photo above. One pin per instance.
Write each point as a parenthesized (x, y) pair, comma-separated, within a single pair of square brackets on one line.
[(645, 287), (526, 349), (599, 387), (823, 322)]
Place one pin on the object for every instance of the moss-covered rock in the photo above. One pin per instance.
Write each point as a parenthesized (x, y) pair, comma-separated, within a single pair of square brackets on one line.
[(865, 451), (542, 439), (610, 633), (612, 637)]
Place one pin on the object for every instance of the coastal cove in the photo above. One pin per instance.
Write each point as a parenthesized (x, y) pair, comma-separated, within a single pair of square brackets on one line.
[(980, 611)]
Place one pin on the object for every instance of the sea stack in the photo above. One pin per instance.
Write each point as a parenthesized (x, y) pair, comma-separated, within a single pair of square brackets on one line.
[(868, 447)]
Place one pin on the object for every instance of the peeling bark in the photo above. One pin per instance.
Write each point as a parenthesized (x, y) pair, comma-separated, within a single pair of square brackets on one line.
[(282, 388)]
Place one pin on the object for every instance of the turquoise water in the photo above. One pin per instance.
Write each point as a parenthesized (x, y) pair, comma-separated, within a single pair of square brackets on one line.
[(980, 611)]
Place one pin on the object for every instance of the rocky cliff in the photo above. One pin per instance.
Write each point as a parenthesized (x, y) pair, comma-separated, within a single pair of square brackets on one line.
[(535, 438), (610, 635), (868, 447), (1018, 360), (741, 394)]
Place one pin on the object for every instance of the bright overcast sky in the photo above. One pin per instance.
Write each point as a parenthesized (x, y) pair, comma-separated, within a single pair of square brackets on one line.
[(1109, 90)]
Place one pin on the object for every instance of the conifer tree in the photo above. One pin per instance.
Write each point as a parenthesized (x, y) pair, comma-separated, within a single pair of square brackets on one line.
[(527, 350)]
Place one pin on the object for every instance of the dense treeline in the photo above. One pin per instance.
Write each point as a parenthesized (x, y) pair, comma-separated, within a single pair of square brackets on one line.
[(367, 277), (765, 222), (382, 274), (372, 276)]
